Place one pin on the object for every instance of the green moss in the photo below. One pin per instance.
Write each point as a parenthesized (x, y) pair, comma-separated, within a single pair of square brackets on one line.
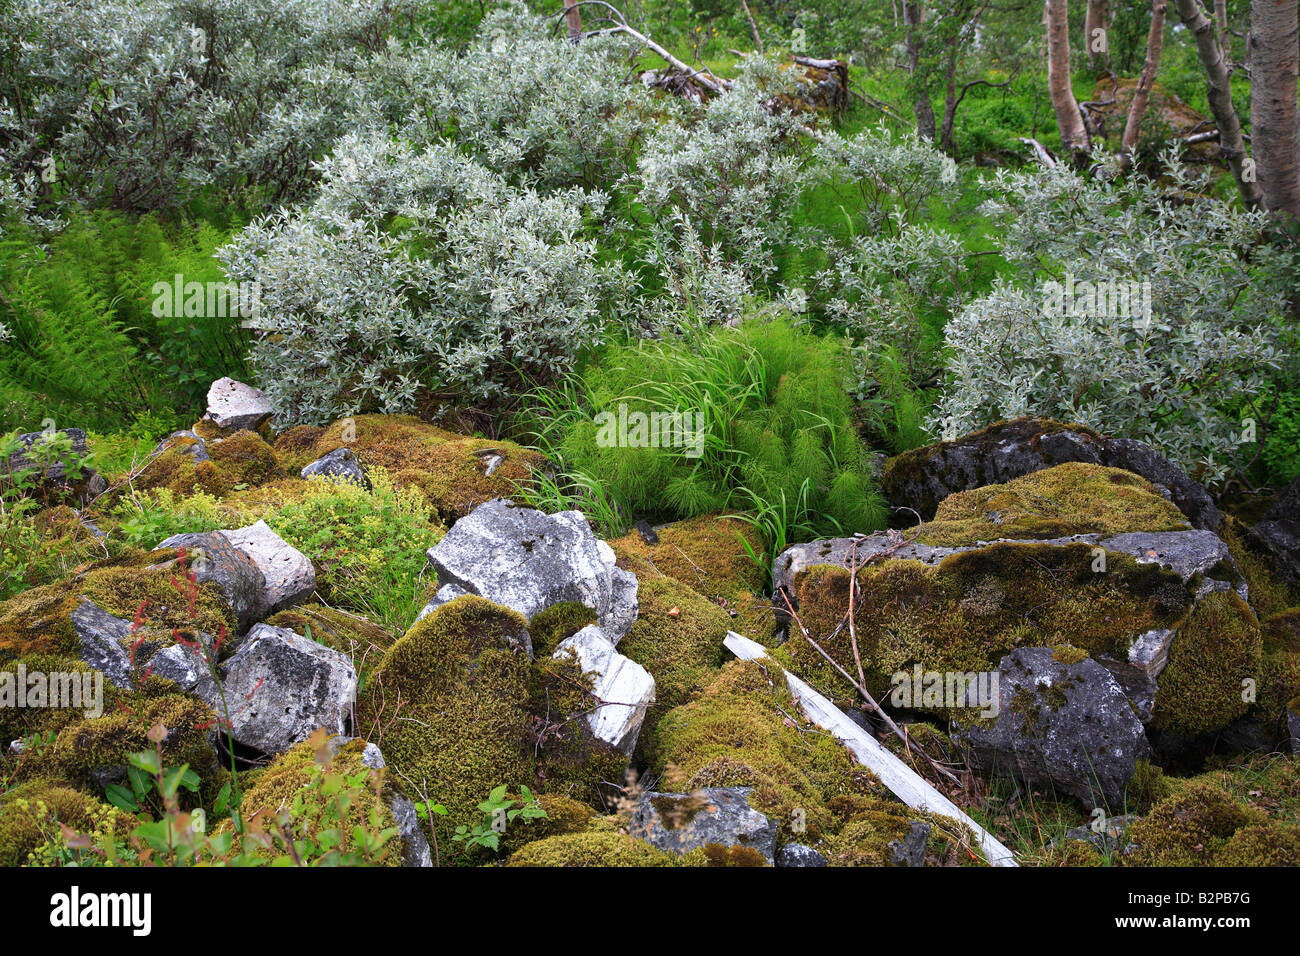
[(715, 854), (1269, 595), (973, 608), (1261, 844), (742, 731), (678, 638), (1280, 664), (31, 816), (88, 745), (563, 816), (447, 468), (1217, 649), (17, 723), (447, 705), (864, 839), (558, 622), (591, 849), (176, 470), (1189, 828), (1074, 498), (1080, 853), (1068, 654), (713, 555), (244, 459), (1147, 788), (297, 447)]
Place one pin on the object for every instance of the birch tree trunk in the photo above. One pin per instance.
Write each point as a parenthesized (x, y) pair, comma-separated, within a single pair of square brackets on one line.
[(1074, 135), (1274, 115), (1142, 92), (913, 15), (1094, 20), (1219, 94)]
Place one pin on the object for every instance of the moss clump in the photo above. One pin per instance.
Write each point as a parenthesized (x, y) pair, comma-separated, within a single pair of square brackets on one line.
[(864, 839), (678, 638), (450, 470), (1280, 664), (40, 620), (714, 556), (563, 816), (177, 470), (1147, 788), (1261, 844), (18, 723), (1217, 649), (1074, 498), (973, 608), (297, 447), (244, 459), (86, 746), (550, 627), (31, 816), (715, 854), (569, 756), (742, 732), (591, 849), (1189, 828), (295, 774), (449, 704), (1079, 853)]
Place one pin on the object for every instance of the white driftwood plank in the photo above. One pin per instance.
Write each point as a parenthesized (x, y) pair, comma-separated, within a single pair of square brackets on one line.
[(901, 779)]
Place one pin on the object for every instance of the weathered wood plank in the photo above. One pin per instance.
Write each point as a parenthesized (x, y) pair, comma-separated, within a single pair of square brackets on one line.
[(901, 779)]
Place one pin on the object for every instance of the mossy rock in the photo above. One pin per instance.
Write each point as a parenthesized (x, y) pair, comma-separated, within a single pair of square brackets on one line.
[(974, 607), (1069, 499), (244, 459), (713, 555), (350, 634), (592, 849), (1280, 664), (864, 838), (296, 774), (563, 816), (449, 469), (235, 461), (84, 750), (32, 813), (742, 731), (40, 620), (447, 705), (1216, 650), (1269, 594), (20, 723)]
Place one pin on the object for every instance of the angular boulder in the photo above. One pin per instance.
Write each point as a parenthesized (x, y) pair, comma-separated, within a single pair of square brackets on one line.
[(681, 822), (1278, 531), (257, 570), (923, 477), (281, 687), (234, 405), (102, 640), (339, 465), (1068, 725), (622, 688), (527, 560)]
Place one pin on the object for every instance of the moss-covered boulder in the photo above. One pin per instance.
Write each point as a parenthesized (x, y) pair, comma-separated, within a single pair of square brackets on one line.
[(921, 478), (455, 472), (218, 465), (448, 707), (350, 634), (677, 637)]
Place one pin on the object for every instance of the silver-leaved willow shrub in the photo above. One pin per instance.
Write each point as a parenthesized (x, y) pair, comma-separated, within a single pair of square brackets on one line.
[(141, 103), (1175, 374), (420, 272)]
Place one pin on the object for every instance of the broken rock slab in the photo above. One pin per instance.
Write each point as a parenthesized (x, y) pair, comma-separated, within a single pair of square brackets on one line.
[(681, 822), (528, 561), (1068, 725), (281, 688), (234, 405), (258, 571), (623, 688)]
